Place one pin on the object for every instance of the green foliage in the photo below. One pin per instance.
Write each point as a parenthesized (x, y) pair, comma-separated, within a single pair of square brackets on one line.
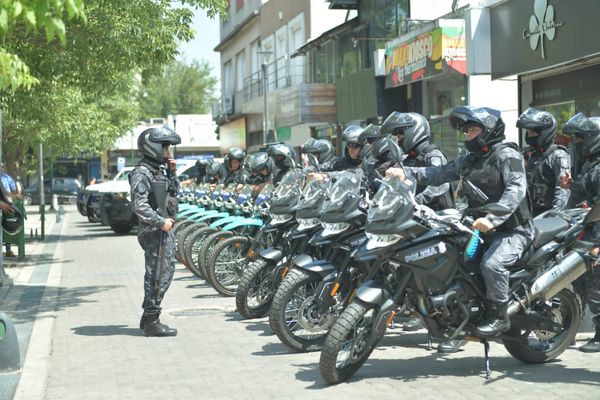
[(32, 15), (181, 89), (86, 90)]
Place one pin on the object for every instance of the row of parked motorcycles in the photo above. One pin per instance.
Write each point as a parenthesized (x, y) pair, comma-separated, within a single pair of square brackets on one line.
[(332, 268)]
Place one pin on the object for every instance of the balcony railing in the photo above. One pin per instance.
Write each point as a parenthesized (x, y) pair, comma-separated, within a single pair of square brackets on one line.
[(281, 73)]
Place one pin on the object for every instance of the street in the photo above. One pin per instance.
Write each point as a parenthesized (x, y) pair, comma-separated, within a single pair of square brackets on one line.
[(77, 308)]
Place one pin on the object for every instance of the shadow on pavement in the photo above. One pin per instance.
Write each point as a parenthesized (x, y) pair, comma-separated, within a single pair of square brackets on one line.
[(234, 316), (24, 306), (197, 285), (107, 330), (436, 365), (208, 296), (186, 278), (258, 326), (274, 349)]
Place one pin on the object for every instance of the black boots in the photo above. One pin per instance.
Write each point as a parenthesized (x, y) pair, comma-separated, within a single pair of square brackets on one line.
[(153, 327), (451, 346), (496, 320), (593, 346)]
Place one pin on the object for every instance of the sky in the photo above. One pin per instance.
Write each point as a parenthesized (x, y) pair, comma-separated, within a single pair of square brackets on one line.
[(206, 39)]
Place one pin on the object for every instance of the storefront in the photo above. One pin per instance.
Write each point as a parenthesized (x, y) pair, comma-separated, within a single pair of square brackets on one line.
[(432, 63), (552, 46)]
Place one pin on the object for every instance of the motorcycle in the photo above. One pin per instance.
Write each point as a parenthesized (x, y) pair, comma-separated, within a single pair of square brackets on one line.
[(423, 261)]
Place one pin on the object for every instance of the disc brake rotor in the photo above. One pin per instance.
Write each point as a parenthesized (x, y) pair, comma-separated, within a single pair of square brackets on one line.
[(556, 317), (310, 319)]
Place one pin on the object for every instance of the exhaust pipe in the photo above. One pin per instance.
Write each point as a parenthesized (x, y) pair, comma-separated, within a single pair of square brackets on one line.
[(552, 281)]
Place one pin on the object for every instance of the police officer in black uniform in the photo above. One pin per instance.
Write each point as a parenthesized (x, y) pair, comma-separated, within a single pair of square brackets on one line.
[(586, 188), (155, 233), (318, 153), (201, 166), (385, 154), (216, 173), (261, 168), (492, 172), (285, 158), (547, 162), (234, 161), (412, 133)]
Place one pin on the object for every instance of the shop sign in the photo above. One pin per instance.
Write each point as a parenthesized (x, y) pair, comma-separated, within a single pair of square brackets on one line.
[(233, 134), (426, 55), (541, 24)]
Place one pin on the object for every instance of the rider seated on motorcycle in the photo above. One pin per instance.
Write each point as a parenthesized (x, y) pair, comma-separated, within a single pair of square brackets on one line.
[(201, 165), (586, 189), (547, 162), (285, 158), (317, 154), (411, 130), (234, 160), (492, 172), (355, 152), (386, 154), (261, 169), (215, 173)]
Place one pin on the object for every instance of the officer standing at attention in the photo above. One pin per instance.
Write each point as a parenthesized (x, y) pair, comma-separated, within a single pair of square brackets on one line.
[(492, 172), (547, 163), (155, 233)]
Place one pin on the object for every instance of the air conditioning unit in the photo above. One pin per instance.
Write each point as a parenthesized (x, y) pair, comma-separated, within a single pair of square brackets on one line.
[(228, 104)]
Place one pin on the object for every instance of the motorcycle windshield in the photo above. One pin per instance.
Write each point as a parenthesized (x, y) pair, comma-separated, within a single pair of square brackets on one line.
[(346, 184), (312, 195), (393, 200), (265, 194), (289, 187)]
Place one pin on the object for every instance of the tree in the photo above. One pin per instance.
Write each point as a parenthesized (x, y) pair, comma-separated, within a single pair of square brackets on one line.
[(86, 90), (181, 89)]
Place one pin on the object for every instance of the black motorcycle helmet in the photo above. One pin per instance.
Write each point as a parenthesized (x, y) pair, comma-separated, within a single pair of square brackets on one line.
[(234, 153), (151, 141), (541, 122), (373, 135), (588, 129), (321, 149), (488, 119), (12, 222), (215, 172), (351, 136), (284, 156), (414, 127), (259, 162), (201, 166)]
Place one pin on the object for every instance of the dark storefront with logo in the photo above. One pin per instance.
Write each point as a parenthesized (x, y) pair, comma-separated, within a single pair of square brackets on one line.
[(553, 48)]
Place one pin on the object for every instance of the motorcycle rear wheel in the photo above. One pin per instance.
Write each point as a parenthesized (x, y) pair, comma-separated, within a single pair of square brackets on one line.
[(346, 348), (538, 346)]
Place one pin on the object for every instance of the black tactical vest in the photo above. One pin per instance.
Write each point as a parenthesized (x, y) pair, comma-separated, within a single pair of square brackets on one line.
[(541, 180), (484, 173)]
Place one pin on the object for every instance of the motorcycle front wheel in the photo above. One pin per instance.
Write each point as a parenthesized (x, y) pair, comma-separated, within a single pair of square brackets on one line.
[(295, 316), (255, 292), (349, 343), (539, 346)]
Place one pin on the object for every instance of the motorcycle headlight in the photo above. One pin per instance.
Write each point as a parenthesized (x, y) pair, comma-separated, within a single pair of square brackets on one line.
[(307, 223), (277, 219), (375, 240), (330, 229)]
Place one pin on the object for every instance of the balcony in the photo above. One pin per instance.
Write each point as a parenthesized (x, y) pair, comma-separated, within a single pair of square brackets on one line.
[(343, 4)]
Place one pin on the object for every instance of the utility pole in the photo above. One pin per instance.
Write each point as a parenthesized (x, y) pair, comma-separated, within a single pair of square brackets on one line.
[(3, 276)]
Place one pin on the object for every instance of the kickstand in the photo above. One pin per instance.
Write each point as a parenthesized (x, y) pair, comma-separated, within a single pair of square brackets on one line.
[(486, 347), (429, 341)]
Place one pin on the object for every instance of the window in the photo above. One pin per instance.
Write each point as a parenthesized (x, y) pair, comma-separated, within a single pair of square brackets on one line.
[(227, 79), (240, 70)]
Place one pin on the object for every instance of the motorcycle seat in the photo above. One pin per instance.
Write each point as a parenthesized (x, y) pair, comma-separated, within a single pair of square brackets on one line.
[(546, 229)]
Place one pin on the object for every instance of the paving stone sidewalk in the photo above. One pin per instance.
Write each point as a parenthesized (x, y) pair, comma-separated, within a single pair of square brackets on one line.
[(96, 351)]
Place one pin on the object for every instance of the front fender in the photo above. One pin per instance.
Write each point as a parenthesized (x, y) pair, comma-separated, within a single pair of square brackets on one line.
[(243, 222), (225, 221), (319, 267), (303, 259), (271, 254), (372, 293), (215, 215)]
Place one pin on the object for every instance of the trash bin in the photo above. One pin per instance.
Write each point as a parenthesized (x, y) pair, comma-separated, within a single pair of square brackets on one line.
[(19, 238)]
